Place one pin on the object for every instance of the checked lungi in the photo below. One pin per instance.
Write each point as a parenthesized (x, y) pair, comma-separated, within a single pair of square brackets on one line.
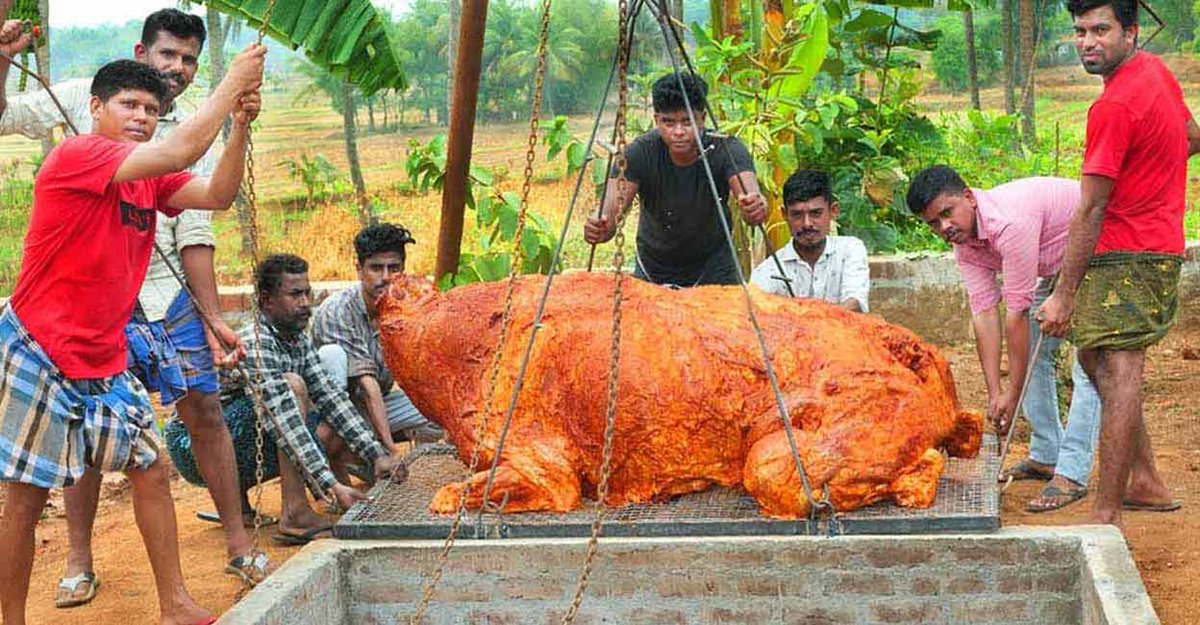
[(52, 427)]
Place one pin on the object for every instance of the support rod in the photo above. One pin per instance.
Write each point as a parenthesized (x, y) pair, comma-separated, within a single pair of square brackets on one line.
[(462, 133)]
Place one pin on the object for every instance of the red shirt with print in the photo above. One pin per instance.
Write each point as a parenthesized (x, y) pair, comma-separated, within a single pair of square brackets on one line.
[(1137, 136), (86, 253)]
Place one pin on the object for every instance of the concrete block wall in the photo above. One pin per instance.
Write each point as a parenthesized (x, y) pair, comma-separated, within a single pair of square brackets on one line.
[(1015, 576)]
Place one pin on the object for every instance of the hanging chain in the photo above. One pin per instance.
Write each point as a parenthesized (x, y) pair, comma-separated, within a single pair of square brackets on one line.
[(610, 415), (517, 255), (505, 321), (256, 383)]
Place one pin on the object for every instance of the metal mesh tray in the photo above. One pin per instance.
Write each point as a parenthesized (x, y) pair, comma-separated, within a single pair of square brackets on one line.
[(967, 501)]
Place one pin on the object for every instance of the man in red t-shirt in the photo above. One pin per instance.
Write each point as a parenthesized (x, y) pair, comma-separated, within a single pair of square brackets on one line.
[(66, 400), (1119, 280)]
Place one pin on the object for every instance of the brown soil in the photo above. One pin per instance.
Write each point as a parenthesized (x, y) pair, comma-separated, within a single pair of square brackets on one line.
[(1164, 545)]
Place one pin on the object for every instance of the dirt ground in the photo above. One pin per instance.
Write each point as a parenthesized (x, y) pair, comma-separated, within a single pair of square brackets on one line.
[(1165, 546)]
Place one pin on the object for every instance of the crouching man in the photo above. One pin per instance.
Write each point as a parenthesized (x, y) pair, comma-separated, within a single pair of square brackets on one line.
[(346, 329), (67, 402), (303, 410)]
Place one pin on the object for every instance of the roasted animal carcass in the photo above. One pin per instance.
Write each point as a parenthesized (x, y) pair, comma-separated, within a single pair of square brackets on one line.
[(871, 404)]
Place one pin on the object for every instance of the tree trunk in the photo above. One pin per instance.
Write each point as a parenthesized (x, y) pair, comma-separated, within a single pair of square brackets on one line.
[(731, 19), (384, 105), (451, 52), (972, 65), (350, 130), (1028, 60), (41, 55), (1010, 64), (370, 115)]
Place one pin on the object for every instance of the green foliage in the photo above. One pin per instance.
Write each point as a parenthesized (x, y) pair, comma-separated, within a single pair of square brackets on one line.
[(317, 175), (557, 137), (347, 37), (950, 57), (496, 214)]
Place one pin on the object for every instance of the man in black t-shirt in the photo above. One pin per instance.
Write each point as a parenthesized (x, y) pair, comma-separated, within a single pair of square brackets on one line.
[(680, 240)]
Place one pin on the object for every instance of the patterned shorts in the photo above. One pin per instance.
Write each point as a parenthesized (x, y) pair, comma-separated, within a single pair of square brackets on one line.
[(52, 427), (172, 357), (1126, 301), (239, 418)]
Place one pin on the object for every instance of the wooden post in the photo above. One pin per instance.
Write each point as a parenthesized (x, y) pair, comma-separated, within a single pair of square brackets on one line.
[(462, 133)]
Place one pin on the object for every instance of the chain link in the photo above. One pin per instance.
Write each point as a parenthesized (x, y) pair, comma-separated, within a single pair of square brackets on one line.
[(505, 321), (610, 415), (260, 406)]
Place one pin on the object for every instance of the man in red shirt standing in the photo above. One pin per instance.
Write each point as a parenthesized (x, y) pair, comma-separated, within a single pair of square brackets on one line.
[(1120, 273), (67, 401)]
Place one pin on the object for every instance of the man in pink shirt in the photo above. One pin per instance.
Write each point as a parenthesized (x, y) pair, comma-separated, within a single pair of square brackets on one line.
[(1018, 231)]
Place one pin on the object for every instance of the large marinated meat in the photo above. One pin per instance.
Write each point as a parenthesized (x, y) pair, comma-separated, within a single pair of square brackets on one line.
[(871, 403)]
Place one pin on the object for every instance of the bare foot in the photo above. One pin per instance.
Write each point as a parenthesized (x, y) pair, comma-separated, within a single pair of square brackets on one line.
[(187, 614)]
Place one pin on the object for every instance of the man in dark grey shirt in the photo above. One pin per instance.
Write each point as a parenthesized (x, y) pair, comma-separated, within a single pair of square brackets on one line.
[(680, 239)]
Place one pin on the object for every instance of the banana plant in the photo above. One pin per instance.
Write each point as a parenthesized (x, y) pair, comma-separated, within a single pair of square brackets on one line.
[(759, 70), (346, 37)]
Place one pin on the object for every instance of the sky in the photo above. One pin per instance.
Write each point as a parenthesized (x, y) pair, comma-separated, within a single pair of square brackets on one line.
[(65, 13)]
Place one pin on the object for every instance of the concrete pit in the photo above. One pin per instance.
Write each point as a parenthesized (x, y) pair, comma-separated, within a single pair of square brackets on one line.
[(1017, 576)]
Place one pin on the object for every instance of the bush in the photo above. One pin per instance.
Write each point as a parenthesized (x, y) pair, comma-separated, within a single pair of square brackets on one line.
[(950, 57)]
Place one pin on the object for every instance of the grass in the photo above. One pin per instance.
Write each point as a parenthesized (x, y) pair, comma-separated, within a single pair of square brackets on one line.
[(322, 233)]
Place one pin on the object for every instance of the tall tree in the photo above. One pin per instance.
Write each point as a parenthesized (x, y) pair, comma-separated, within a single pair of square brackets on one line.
[(451, 51), (41, 54), (366, 216), (1027, 25), (972, 59), (1007, 51)]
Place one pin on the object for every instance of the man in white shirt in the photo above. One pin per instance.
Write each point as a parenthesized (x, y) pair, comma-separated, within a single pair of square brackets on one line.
[(816, 265), (170, 349)]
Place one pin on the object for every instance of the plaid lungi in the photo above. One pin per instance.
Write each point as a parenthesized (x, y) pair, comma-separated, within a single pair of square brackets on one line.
[(52, 427)]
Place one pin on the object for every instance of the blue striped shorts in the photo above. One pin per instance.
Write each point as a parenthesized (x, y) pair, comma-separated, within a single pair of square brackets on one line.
[(172, 356)]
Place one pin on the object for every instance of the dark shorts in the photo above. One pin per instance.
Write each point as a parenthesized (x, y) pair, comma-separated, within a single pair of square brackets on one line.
[(171, 357), (1126, 301), (239, 418)]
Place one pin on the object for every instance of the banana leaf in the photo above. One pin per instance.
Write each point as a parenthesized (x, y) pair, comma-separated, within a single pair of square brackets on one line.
[(346, 37)]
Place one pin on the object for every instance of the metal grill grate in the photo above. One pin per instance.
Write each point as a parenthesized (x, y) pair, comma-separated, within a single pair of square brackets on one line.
[(967, 501)]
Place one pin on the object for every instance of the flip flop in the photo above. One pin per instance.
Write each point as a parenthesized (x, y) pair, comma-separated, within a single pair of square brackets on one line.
[(250, 569), (247, 518), (1060, 498), (1152, 507), (66, 595), (284, 539), (1024, 470)]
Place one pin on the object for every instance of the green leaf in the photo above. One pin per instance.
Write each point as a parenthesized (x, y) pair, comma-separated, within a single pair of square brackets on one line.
[(576, 157), (508, 212), (806, 58), (868, 19), (345, 37)]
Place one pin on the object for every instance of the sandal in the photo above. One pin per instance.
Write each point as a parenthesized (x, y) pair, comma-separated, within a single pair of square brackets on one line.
[(1056, 498), (67, 594), (285, 539), (250, 568), (1152, 507), (1024, 470)]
